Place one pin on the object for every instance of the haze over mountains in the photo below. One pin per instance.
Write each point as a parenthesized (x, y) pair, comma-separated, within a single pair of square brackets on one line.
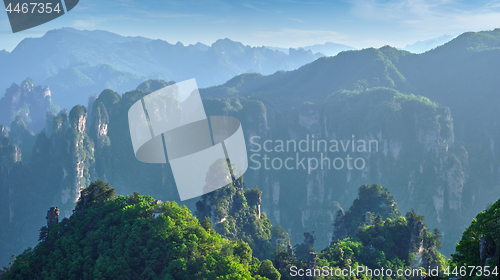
[(76, 64), (433, 115), (328, 48), (426, 45), (437, 149)]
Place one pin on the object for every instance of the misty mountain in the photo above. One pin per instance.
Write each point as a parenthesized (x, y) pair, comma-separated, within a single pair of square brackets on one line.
[(328, 48), (202, 46), (29, 102), (61, 58), (423, 46), (424, 125), (439, 157), (3, 54)]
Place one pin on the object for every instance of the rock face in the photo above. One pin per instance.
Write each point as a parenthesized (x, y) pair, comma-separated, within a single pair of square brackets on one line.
[(406, 145), (52, 217), (80, 155), (486, 249), (403, 142), (10, 156), (27, 100)]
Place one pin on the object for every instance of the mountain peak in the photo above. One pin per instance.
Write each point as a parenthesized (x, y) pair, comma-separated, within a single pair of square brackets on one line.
[(472, 42)]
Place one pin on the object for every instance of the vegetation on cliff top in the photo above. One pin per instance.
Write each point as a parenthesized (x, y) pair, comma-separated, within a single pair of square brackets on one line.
[(109, 237)]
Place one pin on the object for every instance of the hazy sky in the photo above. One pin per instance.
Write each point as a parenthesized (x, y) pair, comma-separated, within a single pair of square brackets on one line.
[(280, 23)]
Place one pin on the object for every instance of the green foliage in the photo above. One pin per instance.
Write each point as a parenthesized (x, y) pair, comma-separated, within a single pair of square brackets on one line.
[(486, 228), (373, 200), (97, 193), (76, 114), (378, 236), (235, 211), (153, 85), (110, 237)]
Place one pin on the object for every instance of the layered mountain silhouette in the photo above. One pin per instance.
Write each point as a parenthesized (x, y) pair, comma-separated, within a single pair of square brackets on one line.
[(68, 60), (433, 115)]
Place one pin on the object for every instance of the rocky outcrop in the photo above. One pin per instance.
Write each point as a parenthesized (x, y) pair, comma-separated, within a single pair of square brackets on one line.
[(52, 217), (27, 100), (81, 149), (487, 248)]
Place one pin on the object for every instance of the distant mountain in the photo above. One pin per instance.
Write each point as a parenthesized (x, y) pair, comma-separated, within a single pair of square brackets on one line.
[(201, 46), (107, 36), (28, 101), (328, 48), (427, 45), (3, 54), (56, 60)]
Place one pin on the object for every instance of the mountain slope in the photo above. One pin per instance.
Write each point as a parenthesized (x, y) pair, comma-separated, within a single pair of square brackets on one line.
[(47, 59), (460, 75), (328, 48), (427, 45), (109, 237), (424, 126)]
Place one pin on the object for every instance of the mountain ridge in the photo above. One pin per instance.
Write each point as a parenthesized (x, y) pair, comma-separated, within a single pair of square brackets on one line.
[(58, 50)]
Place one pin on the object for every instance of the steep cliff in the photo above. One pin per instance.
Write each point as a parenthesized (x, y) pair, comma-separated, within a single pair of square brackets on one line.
[(28, 101)]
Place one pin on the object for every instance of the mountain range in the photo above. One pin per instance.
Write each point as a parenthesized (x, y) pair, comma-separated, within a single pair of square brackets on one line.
[(328, 48), (426, 45), (431, 120), (76, 64), (434, 116)]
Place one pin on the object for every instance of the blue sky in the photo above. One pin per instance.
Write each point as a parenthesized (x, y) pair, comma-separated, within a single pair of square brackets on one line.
[(280, 23)]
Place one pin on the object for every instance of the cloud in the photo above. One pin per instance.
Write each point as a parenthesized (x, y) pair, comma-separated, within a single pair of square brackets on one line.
[(297, 20), (165, 14), (255, 8), (429, 15), (224, 21), (86, 23)]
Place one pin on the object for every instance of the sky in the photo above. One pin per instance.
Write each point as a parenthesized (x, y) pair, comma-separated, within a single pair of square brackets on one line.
[(277, 23)]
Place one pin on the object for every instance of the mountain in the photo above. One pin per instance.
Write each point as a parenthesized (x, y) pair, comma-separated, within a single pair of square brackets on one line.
[(328, 48), (427, 45), (201, 46), (434, 116), (3, 54), (28, 101), (134, 237), (480, 243), (62, 60), (424, 126)]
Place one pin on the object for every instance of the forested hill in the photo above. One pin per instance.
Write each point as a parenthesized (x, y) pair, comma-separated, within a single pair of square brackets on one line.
[(138, 237), (109, 237)]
